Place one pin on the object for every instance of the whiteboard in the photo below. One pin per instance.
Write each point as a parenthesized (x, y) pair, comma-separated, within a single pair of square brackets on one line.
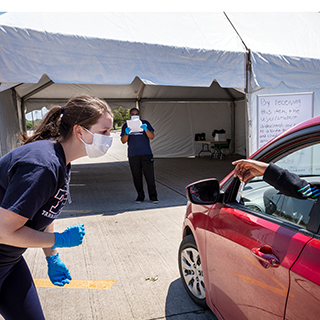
[(277, 113)]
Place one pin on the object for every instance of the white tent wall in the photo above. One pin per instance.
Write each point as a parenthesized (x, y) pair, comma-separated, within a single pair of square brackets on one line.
[(176, 124), (158, 98), (9, 121), (281, 89)]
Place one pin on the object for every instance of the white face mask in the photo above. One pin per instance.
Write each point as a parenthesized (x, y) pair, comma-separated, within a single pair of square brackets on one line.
[(135, 117), (99, 146)]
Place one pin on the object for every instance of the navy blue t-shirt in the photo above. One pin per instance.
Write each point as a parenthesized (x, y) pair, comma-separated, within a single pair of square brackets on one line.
[(33, 184), (138, 142)]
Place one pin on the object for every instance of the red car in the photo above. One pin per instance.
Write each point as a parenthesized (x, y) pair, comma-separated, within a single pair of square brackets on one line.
[(250, 252)]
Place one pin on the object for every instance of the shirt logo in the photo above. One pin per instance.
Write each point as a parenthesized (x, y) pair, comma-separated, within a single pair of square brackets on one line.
[(55, 209)]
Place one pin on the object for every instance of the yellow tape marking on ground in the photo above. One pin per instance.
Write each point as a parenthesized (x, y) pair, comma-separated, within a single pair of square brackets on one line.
[(77, 284)]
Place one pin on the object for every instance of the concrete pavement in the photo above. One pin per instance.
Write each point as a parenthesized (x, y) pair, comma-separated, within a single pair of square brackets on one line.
[(135, 245)]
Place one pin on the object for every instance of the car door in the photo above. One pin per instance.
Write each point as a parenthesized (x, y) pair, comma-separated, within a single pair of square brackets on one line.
[(252, 243), (303, 302)]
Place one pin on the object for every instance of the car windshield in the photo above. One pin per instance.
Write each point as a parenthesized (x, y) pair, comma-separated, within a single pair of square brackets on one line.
[(304, 162)]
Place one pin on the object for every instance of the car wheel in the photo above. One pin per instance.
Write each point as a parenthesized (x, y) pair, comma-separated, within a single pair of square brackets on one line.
[(191, 270)]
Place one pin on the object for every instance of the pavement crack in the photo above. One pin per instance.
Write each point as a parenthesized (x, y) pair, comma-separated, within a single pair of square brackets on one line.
[(171, 188)]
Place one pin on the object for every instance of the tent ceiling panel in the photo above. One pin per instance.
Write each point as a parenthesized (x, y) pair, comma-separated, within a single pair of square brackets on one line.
[(26, 90), (65, 91), (203, 47), (214, 92), (57, 93), (38, 104)]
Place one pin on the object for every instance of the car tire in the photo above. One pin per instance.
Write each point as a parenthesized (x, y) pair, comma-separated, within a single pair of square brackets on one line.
[(190, 269)]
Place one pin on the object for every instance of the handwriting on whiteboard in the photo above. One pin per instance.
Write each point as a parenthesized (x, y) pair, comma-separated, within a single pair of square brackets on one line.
[(277, 113)]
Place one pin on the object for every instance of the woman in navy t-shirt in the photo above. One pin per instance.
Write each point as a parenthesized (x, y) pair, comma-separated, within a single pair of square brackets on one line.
[(140, 157), (34, 181)]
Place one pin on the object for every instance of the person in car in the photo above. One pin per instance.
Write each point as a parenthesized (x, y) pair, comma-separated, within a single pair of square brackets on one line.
[(34, 181), (140, 157), (286, 182)]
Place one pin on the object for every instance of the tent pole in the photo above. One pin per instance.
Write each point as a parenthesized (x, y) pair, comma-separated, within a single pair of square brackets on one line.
[(248, 97), (20, 111), (247, 90), (233, 125)]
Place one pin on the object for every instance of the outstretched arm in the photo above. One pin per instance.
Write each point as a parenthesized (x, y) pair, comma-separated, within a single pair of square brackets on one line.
[(283, 180), (248, 169)]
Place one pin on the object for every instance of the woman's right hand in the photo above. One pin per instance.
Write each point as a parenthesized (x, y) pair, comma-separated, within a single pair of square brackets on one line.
[(71, 237)]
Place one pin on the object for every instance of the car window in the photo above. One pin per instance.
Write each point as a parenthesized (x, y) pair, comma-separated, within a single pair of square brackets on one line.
[(259, 196)]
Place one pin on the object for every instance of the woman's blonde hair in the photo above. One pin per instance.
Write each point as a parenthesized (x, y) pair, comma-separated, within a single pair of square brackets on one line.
[(59, 121)]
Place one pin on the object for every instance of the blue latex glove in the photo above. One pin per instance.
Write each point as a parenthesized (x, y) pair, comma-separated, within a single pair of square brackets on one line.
[(57, 271), (70, 237), (144, 127), (127, 130)]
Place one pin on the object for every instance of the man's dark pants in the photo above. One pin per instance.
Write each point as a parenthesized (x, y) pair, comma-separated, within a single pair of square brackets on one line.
[(143, 165)]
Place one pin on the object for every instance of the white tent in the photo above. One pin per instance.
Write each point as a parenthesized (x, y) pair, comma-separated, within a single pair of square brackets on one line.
[(188, 72), (284, 59)]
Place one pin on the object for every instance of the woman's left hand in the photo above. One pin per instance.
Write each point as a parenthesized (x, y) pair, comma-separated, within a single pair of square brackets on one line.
[(57, 271)]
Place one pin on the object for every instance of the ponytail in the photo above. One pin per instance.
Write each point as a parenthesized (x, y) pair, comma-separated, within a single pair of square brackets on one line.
[(48, 128), (59, 121)]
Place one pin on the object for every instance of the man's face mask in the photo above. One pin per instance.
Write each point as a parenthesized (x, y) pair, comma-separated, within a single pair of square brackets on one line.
[(99, 146), (135, 117)]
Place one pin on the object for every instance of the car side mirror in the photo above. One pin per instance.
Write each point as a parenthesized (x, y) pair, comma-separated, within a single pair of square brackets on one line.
[(204, 192)]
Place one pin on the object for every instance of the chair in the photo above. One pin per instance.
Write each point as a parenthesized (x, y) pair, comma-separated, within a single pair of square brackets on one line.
[(225, 148), (220, 150)]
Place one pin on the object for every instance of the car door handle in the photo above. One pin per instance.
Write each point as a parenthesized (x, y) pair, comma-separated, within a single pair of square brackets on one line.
[(266, 256)]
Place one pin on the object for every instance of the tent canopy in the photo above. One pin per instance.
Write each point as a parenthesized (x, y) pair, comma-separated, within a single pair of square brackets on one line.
[(285, 47), (204, 60), (114, 48), (190, 49)]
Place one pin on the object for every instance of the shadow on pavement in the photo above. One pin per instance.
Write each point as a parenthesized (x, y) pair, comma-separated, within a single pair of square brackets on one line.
[(180, 306), (107, 188)]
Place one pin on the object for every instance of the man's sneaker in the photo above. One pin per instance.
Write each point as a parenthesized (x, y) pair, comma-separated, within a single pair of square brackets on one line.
[(155, 201), (139, 200)]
